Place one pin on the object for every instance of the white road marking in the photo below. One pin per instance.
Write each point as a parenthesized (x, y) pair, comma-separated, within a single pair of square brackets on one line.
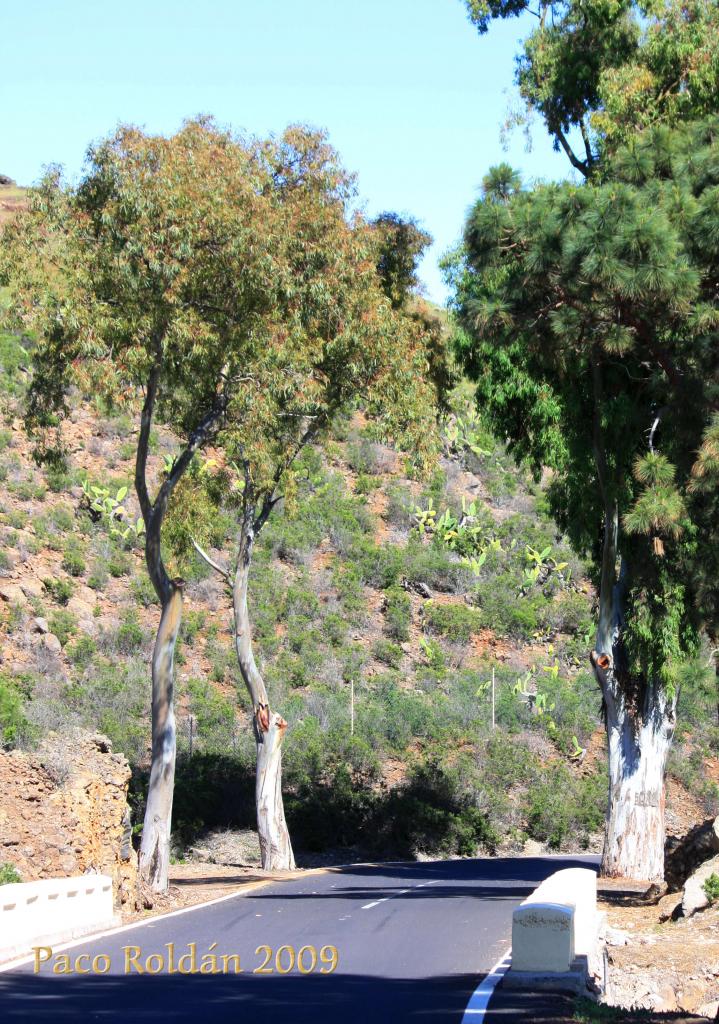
[(376, 903), (479, 1000)]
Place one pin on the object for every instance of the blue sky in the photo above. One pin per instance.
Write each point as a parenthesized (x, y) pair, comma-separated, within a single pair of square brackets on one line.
[(411, 95)]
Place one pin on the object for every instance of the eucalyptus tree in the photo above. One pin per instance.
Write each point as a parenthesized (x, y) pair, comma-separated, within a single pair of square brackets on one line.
[(219, 278), (597, 71), (365, 350), (591, 323)]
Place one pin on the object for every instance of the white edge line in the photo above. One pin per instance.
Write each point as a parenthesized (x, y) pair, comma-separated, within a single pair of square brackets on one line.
[(21, 961), (479, 1000)]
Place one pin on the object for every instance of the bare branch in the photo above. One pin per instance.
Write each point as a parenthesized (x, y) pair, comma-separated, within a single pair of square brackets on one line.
[(225, 573)]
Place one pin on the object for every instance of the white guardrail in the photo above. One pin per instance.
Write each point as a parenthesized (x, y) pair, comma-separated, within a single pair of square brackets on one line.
[(53, 910), (555, 930)]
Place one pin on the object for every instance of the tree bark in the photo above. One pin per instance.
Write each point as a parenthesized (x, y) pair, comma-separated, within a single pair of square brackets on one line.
[(640, 714), (269, 727), (638, 747), (155, 847)]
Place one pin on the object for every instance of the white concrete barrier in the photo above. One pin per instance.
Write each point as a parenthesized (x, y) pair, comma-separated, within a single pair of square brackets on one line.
[(53, 910), (555, 930)]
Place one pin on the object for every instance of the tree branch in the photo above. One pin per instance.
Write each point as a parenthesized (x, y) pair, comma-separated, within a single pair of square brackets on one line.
[(574, 160), (225, 573), (143, 441), (587, 146)]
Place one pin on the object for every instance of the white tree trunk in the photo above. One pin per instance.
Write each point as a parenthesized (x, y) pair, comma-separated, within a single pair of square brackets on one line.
[(275, 845), (638, 749), (640, 720), (155, 847)]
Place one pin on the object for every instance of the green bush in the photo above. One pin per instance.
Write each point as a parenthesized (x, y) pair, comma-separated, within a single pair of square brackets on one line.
[(63, 624), (434, 814), (387, 652), (334, 628), (214, 716), (130, 636), (505, 610), (397, 613), (82, 651), (561, 806), (400, 506), (454, 621), (435, 567), (348, 583), (119, 563), (12, 717), (711, 887), (61, 517), (17, 518), (114, 699), (9, 874), (366, 484), (61, 590), (193, 621), (58, 478), (73, 561), (142, 590)]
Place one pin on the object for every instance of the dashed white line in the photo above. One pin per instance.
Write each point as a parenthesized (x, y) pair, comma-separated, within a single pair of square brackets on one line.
[(479, 1000), (376, 903)]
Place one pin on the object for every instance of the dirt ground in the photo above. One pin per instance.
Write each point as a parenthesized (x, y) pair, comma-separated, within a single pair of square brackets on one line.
[(656, 962)]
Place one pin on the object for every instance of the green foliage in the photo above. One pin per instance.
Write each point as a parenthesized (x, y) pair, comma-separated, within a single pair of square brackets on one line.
[(401, 244), (118, 562), (12, 715), (113, 697), (560, 806), (63, 624), (387, 652), (14, 361), (9, 874), (454, 621), (73, 560), (110, 509), (214, 714), (130, 636), (82, 651), (711, 887), (397, 613), (606, 69)]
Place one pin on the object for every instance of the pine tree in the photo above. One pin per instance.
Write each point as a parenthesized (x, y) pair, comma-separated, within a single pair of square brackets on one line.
[(591, 325)]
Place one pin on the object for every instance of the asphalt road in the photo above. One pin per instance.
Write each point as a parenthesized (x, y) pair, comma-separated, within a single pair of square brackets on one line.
[(413, 941)]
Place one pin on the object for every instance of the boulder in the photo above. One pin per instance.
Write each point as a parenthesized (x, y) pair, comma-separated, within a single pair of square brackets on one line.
[(32, 588), (694, 896), (683, 856), (80, 609), (51, 643), (13, 594)]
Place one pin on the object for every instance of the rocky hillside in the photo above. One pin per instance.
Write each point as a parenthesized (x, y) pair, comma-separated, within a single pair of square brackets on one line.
[(64, 811)]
